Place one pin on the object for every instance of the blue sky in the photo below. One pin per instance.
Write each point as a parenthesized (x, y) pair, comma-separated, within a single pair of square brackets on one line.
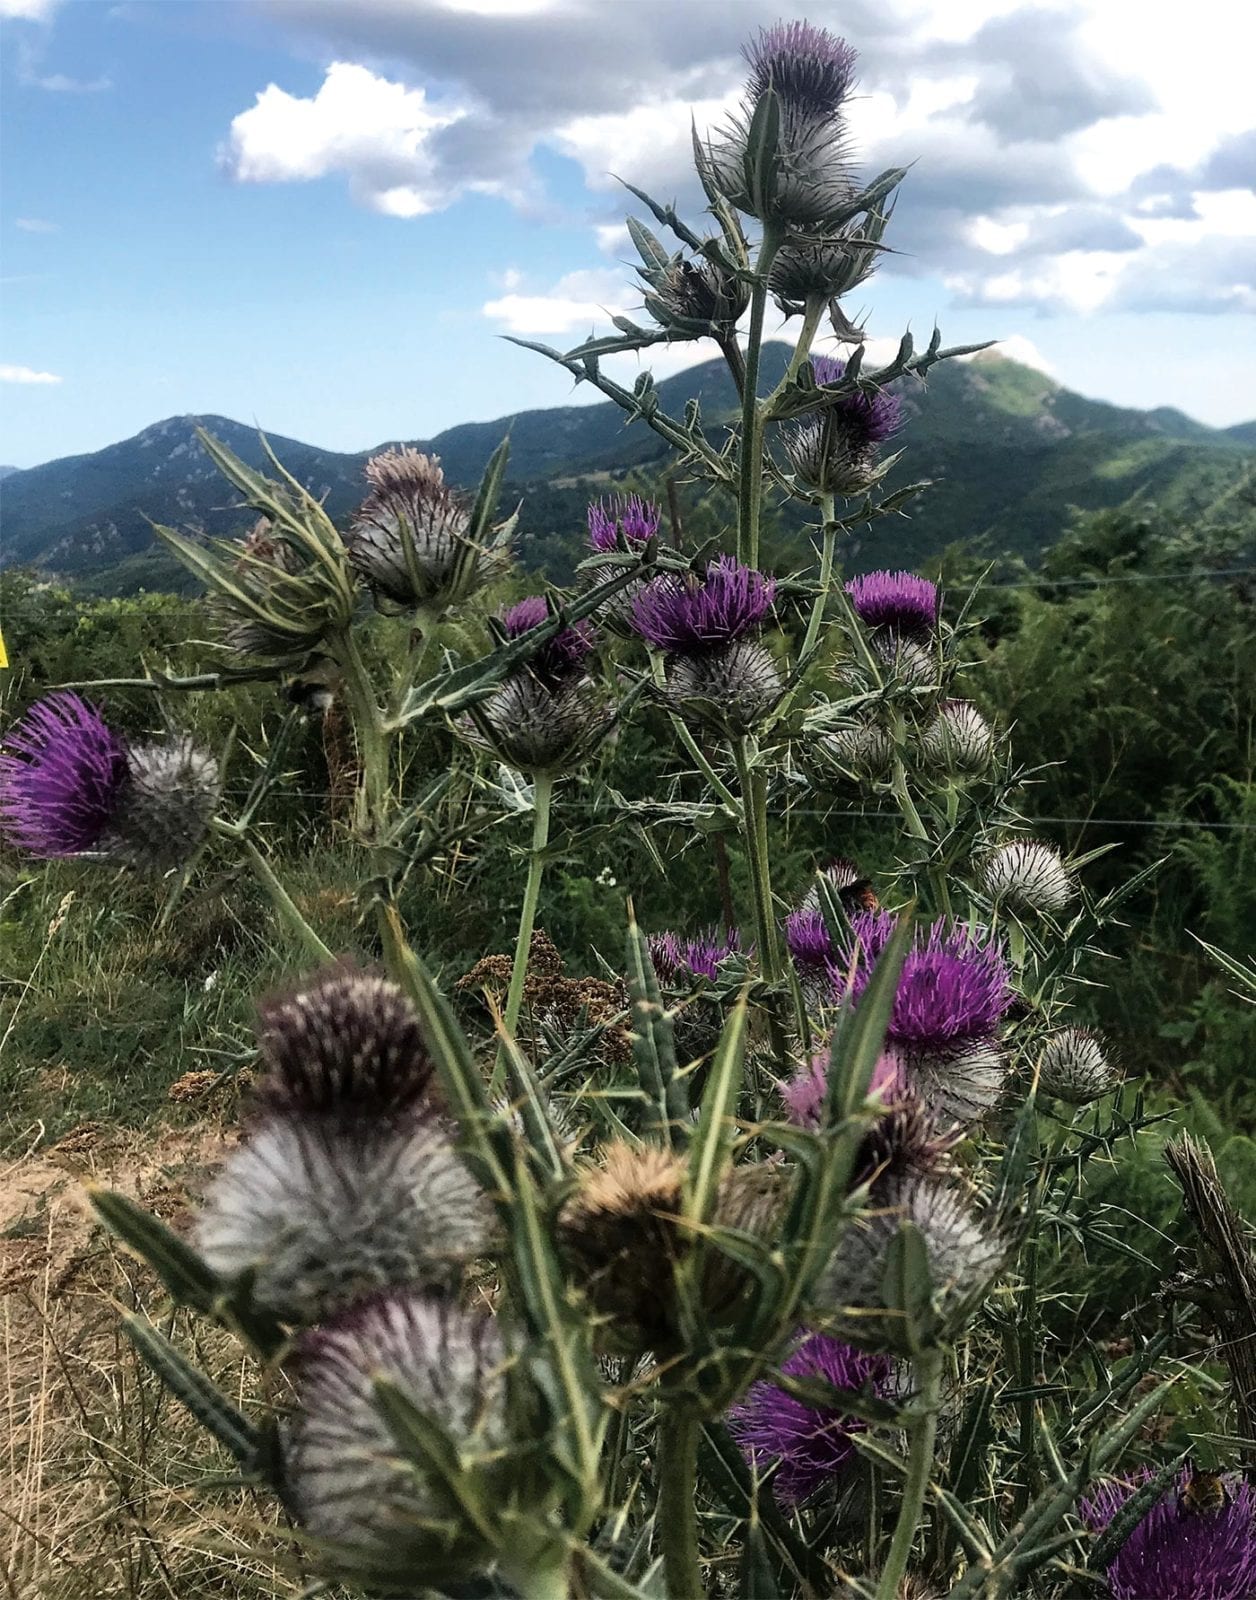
[(319, 214)]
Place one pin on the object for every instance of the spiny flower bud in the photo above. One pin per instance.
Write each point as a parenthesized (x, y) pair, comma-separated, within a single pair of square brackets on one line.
[(809, 1446), (835, 449), (344, 1476), (811, 72), (537, 726), (345, 1041), (866, 751), (410, 540), (164, 807), (964, 1255), (1074, 1067), (732, 689), (959, 740), (959, 1085), (274, 607), (825, 268), (323, 1211), (696, 296), (1028, 876)]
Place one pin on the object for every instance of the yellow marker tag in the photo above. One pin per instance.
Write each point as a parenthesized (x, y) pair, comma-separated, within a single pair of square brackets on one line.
[(4, 654)]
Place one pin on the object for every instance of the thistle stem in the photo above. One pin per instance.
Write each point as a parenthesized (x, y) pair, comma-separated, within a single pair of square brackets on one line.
[(928, 1367), (372, 737), (546, 1578), (542, 793), (726, 795), (677, 1504), (812, 313), (755, 837), (828, 545), (280, 899), (750, 485)]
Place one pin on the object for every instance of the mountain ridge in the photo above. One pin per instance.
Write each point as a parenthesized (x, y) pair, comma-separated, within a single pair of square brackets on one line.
[(1008, 448)]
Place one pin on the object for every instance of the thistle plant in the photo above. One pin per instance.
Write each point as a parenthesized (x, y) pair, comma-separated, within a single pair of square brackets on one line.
[(762, 1304)]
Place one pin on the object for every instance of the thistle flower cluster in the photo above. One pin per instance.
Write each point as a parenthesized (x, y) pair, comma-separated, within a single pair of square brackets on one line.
[(811, 73), (347, 1181), (835, 449), (679, 959), (70, 785), (1178, 1552), (411, 539), (546, 716), (717, 669)]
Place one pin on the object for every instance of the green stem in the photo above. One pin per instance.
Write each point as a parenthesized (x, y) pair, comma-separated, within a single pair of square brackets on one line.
[(928, 1369), (726, 795), (369, 729), (812, 313), (750, 484), (828, 544), (676, 1512), (1026, 1342), (542, 793), (755, 836), (282, 901), (548, 1577)]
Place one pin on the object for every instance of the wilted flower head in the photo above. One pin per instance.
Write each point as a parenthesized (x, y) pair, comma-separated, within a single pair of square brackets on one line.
[(622, 517), (410, 540), (899, 602), (964, 1253), (1029, 876), (679, 959), (1074, 1067), (563, 654), (686, 615), (824, 268), (343, 1041), (808, 1445), (1177, 1552), (341, 1465), (70, 785), (958, 740), (324, 1210), (62, 769)]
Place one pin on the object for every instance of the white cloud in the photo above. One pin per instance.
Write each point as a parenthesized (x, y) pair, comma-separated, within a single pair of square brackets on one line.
[(374, 131), (1016, 347), (36, 225), (576, 303), (10, 374), (28, 10)]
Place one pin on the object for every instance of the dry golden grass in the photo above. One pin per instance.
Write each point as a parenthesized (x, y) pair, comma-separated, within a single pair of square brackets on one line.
[(108, 1490)]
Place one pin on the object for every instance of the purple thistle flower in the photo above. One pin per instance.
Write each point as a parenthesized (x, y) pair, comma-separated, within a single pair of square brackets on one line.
[(62, 771), (622, 516), (807, 939), (810, 1443), (953, 987), (677, 960), (561, 655), (804, 1093), (810, 68), (1176, 1553), (865, 418), (899, 601), (691, 616)]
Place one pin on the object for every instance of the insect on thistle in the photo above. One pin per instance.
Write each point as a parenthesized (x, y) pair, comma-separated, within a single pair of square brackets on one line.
[(1203, 1494)]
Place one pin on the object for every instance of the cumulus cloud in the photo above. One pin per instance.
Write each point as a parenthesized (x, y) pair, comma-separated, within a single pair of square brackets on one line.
[(375, 132), (11, 374), (576, 303), (1044, 132), (28, 10)]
